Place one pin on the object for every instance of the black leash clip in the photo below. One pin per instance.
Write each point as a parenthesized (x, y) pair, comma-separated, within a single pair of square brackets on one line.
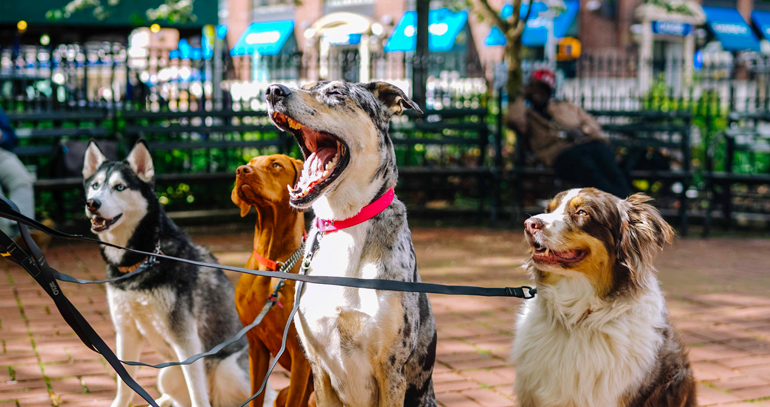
[(152, 259), (519, 292)]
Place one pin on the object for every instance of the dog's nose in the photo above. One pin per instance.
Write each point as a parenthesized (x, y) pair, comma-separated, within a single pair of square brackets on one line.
[(275, 92), (532, 225), (244, 169), (93, 205)]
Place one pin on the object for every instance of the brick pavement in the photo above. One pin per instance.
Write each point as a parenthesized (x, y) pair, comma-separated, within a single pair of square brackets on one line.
[(717, 293)]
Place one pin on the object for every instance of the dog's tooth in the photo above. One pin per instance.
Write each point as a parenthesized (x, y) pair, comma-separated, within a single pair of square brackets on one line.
[(325, 174), (546, 251), (294, 124)]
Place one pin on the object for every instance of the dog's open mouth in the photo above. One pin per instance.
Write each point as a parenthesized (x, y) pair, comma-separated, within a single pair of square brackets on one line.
[(100, 224), (545, 255), (326, 156)]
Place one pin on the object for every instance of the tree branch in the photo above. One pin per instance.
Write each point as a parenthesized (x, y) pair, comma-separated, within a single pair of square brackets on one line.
[(490, 14), (519, 29), (514, 18)]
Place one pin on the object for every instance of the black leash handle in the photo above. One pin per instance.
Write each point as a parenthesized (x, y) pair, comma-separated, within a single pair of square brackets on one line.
[(39, 269), (525, 292)]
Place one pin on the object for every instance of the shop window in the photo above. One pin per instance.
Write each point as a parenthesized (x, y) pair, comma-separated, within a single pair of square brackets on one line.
[(341, 3), (721, 3), (762, 5), (272, 3)]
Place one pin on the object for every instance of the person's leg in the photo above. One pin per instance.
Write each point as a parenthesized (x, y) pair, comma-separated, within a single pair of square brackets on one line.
[(605, 159), (579, 166), (7, 226), (17, 183)]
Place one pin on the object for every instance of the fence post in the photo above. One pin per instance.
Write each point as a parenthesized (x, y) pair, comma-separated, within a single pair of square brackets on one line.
[(497, 168)]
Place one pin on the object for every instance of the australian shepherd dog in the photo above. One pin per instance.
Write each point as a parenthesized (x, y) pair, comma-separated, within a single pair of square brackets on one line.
[(598, 332)]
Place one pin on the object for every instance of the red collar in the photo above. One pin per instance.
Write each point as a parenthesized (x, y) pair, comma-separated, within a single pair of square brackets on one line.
[(368, 212), (271, 265)]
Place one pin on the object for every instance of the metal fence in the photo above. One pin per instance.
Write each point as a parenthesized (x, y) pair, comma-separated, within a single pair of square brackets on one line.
[(117, 79), (36, 78)]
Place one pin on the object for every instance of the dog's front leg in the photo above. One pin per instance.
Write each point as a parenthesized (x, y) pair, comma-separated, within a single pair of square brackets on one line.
[(301, 381), (392, 385), (129, 344), (194, 374), (325, 395), (259, 360)]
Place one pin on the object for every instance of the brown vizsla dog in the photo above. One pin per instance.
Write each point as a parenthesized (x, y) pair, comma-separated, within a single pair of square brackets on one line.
[(279, 232)]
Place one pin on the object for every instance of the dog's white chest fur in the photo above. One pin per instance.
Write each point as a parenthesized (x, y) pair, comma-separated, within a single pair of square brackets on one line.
[(567, 357), (147, 312), (343, 321)]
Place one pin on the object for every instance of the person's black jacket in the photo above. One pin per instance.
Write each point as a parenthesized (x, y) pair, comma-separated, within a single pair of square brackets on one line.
[(8, 140)]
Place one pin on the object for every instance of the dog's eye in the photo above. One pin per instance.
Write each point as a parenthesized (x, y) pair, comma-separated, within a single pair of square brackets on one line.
[(333, 92), (120, 187), (582, 213), (276, 165), (95, 185)]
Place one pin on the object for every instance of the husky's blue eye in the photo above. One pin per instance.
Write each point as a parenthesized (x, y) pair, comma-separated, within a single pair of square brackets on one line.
[(120, 187), (95, 185)]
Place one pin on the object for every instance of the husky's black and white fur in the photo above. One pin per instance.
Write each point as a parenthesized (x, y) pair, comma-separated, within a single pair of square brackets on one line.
[(178, 308), (366, 347)]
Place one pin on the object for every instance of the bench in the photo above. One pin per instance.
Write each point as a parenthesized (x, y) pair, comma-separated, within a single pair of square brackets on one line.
[(743, 136), (632, 134), (439, 151), (196, 153), (225, 130), (42, 135)]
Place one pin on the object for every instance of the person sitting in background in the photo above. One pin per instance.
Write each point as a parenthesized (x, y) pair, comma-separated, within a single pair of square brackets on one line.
[(16, 183), (564, 136)]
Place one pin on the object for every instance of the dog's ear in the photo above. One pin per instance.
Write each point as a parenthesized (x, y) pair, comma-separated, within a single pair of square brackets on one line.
[(297, 170), (93, 159), (392, 97), (237, 201), (140, 161), (642, 233)]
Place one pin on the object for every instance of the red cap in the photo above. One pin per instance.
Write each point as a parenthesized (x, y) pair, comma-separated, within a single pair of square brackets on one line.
[(545, 76)]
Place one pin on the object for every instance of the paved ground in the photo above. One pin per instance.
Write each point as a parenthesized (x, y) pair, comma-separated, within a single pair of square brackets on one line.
[(717, 292)]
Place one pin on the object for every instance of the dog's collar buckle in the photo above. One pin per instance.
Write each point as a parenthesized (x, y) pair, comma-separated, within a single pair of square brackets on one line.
[(147, 261)]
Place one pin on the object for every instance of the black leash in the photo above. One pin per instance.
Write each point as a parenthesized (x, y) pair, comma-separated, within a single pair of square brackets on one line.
[(524, 292), (271, 301), (37, 266)]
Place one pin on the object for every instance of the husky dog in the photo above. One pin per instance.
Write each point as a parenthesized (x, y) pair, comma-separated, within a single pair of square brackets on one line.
[(179, 308), (598, 332), (366, 347)]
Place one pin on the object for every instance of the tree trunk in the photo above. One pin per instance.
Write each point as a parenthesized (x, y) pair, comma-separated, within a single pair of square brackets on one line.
[(513, 59), (421, 54)]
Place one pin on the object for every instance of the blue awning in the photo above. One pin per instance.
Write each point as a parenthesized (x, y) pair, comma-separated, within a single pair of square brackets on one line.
[(761, 20), (265, 38), (536, 30), (444, 27), (730, 29), (187, 51)]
